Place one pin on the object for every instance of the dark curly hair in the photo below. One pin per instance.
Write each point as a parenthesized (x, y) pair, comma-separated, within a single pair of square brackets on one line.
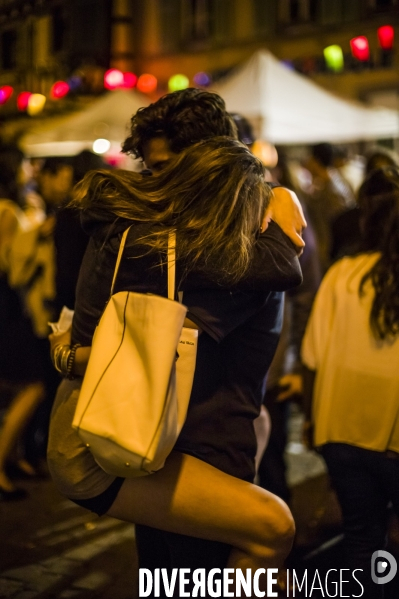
[(184, 117), (379, 203)]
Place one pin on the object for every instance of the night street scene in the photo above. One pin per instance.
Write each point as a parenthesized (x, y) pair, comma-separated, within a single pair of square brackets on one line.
[(199, 314)]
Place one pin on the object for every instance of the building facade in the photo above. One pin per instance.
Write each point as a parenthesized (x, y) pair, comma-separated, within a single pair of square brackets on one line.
[(42, 41)]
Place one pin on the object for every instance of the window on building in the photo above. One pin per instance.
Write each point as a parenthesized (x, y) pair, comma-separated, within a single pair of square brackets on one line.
[(293, 12), (382, 5), (59, 29), (264, 17), (198, 24), (170, 22), (9, 49)]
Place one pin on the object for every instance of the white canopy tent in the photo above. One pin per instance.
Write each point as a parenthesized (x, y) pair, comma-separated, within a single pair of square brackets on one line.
[(106, 118), (287, 108)]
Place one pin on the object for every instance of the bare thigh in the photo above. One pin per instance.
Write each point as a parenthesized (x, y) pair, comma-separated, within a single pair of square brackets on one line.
[(191, 497)]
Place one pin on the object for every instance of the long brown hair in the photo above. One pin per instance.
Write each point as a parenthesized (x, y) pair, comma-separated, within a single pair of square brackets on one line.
[(213, 196), (379, 204)]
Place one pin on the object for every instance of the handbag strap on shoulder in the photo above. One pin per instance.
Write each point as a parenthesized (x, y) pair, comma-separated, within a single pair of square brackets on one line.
[(171, 263)]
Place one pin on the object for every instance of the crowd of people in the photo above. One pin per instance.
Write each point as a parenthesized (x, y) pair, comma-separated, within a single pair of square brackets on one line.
[(41, 249), (292, 304)]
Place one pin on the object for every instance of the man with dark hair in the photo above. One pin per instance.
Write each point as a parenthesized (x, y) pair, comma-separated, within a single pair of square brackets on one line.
[(177, 121), (329, 197), (183, 118)]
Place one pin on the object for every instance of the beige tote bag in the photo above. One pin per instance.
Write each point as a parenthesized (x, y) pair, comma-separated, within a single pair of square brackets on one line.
[(137, 386)]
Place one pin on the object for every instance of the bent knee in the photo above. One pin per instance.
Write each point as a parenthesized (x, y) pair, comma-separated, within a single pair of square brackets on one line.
[(277, 529)]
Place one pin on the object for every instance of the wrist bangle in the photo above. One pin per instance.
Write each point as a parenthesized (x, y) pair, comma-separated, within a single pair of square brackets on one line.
[(64, 359), (71, 360), (60, 358), (54, 355), (58, 355)]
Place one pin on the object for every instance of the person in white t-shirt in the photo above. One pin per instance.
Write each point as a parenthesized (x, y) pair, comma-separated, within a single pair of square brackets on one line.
[(351, 356)]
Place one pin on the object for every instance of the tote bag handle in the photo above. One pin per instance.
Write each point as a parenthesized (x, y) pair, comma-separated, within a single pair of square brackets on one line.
[(171, 264)]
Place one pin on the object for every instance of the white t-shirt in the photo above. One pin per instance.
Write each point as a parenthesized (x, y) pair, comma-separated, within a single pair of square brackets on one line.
[(356, 394)]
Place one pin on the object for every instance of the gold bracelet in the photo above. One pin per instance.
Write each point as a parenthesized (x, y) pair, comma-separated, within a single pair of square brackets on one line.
[(60, 358), (54, 355)]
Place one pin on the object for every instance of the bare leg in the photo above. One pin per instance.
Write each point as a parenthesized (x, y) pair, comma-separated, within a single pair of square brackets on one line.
[(262, 426), (15, 421), (191, 497)]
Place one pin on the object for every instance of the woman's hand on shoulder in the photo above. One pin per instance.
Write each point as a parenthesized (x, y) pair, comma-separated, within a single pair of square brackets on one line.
[(286, 210)]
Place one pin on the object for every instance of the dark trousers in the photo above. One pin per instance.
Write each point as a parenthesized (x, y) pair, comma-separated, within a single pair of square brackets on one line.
[(365, 482)]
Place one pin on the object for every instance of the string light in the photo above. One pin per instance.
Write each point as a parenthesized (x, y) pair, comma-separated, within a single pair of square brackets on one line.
[(386, 37), (129, 80), (100, 146), (178, 82), (113, 78), (59, 90), (202, 79), (36, 104), (5, 93), (334, 58), (22, 100), (74, 82), (147, 83), (360, 48)]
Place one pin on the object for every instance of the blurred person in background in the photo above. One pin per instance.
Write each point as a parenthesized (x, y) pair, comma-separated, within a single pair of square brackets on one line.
[(33, 274), (68, 242), (69, 237), (20, 366), (284, 380), (345, 229), (341, 164), (350, 353), (380, 157), (328, 196), (33, 267)]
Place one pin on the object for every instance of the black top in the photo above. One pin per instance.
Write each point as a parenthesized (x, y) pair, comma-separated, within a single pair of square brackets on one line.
[(70, 244), (241, 327)]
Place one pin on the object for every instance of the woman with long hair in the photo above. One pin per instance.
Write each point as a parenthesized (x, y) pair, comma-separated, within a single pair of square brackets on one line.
[(213, 196), (351, 354)]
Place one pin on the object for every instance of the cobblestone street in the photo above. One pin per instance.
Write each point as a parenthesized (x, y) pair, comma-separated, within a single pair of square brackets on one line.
[(52, 549)]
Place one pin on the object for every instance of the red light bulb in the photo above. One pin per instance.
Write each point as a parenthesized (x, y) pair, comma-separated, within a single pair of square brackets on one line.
[(385, 37), (23, 100), (129, 79), (360, 48), (59, 89), (113, 78), (5, 93)]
